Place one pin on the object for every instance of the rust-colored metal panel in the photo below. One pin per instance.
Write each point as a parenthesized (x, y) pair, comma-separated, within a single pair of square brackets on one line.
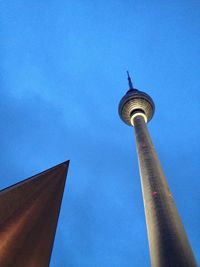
[(29, 213)]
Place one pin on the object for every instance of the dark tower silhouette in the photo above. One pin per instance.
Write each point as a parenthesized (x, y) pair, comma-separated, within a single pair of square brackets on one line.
[(168, 243), (29, 213)]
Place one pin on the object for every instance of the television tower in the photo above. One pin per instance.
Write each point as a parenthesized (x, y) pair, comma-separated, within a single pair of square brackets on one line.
[(168, 243)]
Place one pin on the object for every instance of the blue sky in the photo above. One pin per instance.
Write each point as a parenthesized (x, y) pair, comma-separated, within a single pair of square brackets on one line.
[(62, 73)]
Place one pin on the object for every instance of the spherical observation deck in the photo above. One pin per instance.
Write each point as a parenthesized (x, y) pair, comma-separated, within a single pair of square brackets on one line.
[(134, 103)]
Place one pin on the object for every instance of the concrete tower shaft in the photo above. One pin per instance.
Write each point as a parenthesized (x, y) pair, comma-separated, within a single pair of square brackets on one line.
[(168, 243)]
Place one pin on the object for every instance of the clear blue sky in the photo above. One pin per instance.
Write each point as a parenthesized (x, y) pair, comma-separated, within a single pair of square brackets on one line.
[(62, 67)]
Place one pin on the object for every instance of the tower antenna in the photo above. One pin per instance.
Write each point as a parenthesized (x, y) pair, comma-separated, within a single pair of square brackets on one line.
[(130, 81)]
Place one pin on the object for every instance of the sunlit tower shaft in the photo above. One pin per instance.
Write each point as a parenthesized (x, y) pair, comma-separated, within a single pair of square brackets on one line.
[(168, 243)]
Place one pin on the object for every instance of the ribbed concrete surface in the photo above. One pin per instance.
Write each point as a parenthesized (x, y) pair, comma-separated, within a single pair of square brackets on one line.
[(169, 246)]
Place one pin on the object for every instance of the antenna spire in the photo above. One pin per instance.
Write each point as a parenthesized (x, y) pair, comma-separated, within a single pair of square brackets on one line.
[(130, 82)]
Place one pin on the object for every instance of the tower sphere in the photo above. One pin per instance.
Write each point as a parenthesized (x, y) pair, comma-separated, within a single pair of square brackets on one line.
[(133, 103)]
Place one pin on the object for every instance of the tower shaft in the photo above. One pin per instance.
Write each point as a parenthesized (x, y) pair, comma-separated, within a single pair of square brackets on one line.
[(168, 243)]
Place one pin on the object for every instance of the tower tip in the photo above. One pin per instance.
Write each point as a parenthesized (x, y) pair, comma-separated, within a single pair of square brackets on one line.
[(130, 81)]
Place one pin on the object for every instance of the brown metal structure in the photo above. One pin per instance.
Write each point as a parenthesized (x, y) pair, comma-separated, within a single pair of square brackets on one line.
[(29, 213), (168, 243)]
